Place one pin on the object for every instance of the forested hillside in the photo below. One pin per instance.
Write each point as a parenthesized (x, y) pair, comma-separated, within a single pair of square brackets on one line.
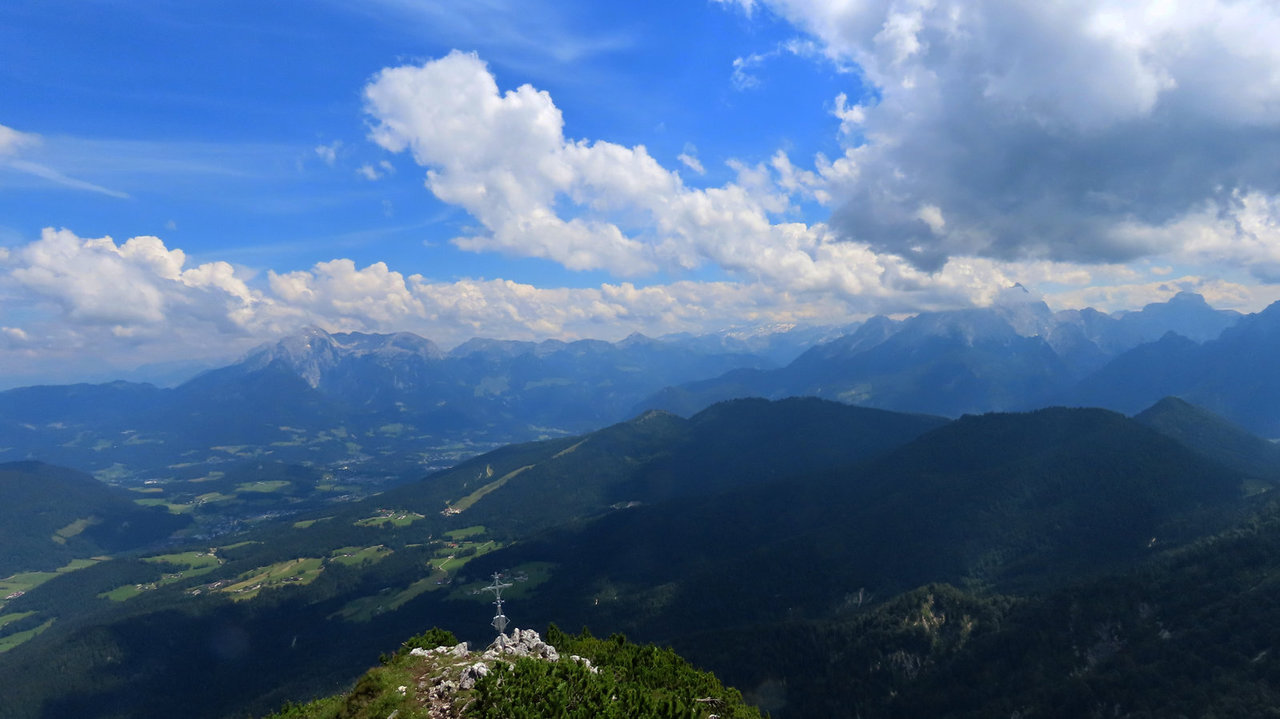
[(903, 539), (51, 515)]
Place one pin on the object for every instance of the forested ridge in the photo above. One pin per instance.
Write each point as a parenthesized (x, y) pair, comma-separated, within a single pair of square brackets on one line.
[(825, 560)]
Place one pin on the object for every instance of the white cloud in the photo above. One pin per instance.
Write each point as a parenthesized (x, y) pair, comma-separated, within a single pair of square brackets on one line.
[(689, 158), (329, 153), (371, 172), (1220, 293), (374, 297), (504, 159), (744, 68), (1048, 130), (12, 145), (14, 334), (747, 6), (11, 141), (598, 205), (538, 36), (132, 287), (73, 304)]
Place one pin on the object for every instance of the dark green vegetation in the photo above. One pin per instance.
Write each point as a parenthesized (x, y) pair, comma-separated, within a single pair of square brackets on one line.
[(50, 516), (622, 681), (827, 560), (1211, 435), (995, 502)]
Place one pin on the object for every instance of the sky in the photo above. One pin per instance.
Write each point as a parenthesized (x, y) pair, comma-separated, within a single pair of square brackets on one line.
[(181, 181)]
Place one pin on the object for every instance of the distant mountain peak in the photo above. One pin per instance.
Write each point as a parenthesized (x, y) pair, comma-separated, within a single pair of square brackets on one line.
[(312, 352), (1187, 297)]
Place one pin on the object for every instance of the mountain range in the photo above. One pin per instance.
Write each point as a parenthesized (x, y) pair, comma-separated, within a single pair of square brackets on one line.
[(782, 524), (398, 402), (1019, 355), (352, 398), (282, 520)]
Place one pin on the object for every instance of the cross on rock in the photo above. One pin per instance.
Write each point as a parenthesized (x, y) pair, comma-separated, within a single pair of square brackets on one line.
[(499, 619)]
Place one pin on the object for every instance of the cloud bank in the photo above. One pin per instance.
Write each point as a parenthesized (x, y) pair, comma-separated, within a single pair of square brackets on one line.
[(597, 205), (1087, 131), (1098, 148)]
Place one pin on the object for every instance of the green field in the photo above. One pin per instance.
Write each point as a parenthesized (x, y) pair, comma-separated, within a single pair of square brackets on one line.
[(214, 497), (62, 535), (13, 640), (7, 619), (26, 581), (465, 503), (128, 591), (458, 535), (157, 502), (190, 564), (447, 559), (392, 517), (524, 578), (366, 608), (300, 571), (190, 560), (452, 556), (355, 556), (265, 486), (530, 574), (305, 523)]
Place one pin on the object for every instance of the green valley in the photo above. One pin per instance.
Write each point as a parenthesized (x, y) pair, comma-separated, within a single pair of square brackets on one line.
[(754, 537)]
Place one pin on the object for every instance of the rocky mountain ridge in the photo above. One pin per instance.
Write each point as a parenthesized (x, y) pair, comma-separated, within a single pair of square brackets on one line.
[(1018, 355)]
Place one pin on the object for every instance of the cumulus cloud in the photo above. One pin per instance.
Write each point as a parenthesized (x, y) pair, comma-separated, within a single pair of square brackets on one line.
[(133, 287), (1050, 130), (71, 302), (1218, 292), (75, 300), (598, 205)]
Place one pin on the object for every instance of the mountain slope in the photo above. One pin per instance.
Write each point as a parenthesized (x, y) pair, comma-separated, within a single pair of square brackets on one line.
[(654, 458), (50, 515), (1188, 634), (756, 513), (1233, 376), (523, 676), (1008, 501), (1214, 437), (1015, 355), (321, 398)]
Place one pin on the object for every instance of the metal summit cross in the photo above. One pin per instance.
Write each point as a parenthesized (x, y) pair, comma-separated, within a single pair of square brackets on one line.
[(499, 619)]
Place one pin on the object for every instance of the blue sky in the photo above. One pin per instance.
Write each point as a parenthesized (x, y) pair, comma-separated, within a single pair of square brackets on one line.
[(208, 116), (180, 181)]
